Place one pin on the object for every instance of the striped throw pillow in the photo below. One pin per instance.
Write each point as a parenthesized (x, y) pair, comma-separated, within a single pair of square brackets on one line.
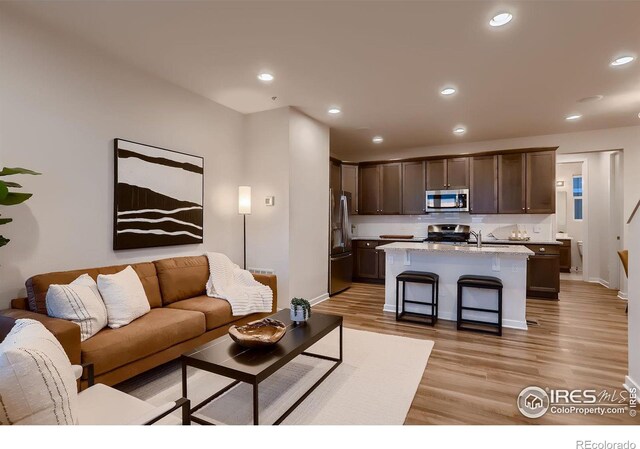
[(37, 384), (79, 302)]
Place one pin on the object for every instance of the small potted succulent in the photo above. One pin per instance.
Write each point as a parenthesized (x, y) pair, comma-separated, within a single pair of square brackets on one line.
[(300, 310)]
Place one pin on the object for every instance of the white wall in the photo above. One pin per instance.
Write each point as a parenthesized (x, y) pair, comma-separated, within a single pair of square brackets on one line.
[(267, 172), (309, 207), (287, 156), (633, 379), (574, 228), (61, 106)]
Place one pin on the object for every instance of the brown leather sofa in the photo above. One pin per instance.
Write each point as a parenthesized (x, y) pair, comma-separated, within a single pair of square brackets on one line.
[(182, 317)]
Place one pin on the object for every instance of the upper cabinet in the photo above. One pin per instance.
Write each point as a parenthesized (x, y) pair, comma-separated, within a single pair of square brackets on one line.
[(350, 184), (511, 181), (335, 177), (437, 174), (380, 189), (443, 174), (484, 185), (413, 188), (391, 189), (541, 182), (369, 190), (458, 173)]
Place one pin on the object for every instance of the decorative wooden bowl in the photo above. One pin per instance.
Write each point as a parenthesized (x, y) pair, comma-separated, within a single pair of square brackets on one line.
[(265, 332)]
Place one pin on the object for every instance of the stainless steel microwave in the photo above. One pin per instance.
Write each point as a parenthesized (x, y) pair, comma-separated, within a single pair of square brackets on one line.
[(448, 200)]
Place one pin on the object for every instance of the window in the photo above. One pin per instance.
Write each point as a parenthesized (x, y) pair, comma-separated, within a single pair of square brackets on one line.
[(577, 197)]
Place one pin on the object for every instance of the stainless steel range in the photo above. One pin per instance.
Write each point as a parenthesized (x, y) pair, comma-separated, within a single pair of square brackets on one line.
[(448, 233)]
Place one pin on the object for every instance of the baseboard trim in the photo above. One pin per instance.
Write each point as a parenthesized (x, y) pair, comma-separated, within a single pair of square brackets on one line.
[(629, 383), (623, 295), (318, 299), (511, 324), (599, 281)]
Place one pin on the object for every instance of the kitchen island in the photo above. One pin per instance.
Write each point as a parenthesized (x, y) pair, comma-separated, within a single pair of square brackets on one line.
[(506, 262)]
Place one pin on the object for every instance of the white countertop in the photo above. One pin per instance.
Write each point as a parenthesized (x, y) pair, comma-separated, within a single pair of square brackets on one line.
[(517, 242), (515, 250)]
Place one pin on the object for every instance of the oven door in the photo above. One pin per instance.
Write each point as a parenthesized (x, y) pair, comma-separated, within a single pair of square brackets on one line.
[(448, 200)]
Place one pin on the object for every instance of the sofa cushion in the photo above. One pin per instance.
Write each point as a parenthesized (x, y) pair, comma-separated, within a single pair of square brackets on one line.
[(159, 329), (37, 286), (217, 311), (182, 277)]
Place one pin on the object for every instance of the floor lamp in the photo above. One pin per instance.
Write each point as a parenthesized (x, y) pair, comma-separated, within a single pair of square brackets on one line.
[(244, 208)]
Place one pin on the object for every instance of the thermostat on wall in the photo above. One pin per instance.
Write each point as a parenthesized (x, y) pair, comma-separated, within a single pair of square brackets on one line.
[(269, 201)]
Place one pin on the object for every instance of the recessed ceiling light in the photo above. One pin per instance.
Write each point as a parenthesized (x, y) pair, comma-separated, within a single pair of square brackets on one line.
[(591, 98), (265, 76), (459, 130), (573, 117), (448, 91), (377, 139), (501, 19), (622, 60), (334, 111)]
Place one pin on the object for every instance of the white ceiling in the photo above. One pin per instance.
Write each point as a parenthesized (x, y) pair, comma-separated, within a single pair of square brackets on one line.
[(383, 63)]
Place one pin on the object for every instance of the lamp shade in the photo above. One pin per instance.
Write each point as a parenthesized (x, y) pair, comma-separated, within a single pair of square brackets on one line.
[(244, 200)]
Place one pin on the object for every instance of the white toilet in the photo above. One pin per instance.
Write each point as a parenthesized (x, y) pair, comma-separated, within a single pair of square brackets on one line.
[(580, 248)]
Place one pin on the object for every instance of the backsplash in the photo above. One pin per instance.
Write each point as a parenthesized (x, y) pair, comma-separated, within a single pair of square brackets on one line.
[(538, 227)]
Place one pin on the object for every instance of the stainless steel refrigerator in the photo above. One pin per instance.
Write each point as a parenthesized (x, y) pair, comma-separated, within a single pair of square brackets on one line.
[(341, 255)]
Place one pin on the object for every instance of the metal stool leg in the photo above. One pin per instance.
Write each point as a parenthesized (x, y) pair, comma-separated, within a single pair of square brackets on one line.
[(500, 311), (459, 311), (397, 293)]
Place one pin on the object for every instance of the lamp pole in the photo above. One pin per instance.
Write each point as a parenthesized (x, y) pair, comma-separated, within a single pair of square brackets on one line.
[(244, 208), (244, 219)]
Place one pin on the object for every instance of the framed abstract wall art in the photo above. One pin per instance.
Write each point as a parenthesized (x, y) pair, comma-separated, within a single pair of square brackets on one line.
[(158, 197)]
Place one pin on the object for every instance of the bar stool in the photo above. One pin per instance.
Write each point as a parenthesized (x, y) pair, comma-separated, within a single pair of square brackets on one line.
[(485, 282), (418, 277)]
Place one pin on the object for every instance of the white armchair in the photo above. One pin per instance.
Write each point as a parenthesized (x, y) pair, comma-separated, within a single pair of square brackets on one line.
[(103, 405)]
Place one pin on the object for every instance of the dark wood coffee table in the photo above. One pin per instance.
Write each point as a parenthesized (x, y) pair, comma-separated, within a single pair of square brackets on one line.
[(225, 357)]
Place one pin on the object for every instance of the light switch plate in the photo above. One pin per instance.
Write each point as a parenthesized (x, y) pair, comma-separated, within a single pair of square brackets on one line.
[(495, 266), (537, 229), (270, 201)]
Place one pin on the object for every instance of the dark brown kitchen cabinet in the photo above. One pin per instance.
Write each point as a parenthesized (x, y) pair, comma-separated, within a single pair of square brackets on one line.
[(413, 188), (458, 173), (367, 259), (511, 183), (391, 189), (443, 174), (350, 184), (484, 185), (437, 175), (541, 182), (369, 190), (565, 255), (380, 189), (382, 264), (335, 177), (543, 272)]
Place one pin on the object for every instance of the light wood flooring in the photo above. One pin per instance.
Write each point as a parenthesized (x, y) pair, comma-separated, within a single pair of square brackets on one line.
[(580, 341)]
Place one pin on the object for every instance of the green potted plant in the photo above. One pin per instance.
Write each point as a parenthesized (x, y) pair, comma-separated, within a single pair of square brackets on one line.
[(8, 198), (300, 310)]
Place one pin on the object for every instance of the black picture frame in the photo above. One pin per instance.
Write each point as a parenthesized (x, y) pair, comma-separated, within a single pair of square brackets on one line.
[(152, 218)]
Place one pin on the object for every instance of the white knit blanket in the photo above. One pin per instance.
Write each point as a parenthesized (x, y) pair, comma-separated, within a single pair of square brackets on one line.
[(230, 282)]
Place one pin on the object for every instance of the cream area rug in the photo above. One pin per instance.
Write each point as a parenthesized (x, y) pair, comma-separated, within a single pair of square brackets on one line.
[(375, 384)]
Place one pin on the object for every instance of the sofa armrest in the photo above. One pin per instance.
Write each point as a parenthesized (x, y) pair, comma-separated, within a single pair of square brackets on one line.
[(270, 280), (20, 303), (67, 332)]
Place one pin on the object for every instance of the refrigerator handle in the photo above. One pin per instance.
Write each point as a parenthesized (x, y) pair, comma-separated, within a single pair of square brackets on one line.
[(346, 223)]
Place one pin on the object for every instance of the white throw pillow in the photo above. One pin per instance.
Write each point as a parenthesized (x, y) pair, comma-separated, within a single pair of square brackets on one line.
[(79, 302), (124, 297), (37, 384)]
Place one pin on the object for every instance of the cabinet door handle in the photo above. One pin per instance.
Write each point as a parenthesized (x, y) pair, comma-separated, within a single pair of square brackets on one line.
[(542, 250), (523, 208)]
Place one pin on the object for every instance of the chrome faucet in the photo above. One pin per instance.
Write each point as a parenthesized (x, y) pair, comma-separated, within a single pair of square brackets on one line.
[(478, 236)]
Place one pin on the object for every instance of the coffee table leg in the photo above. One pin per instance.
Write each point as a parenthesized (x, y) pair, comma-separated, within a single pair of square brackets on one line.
[(184, 380), (341, 342), (255, 404)]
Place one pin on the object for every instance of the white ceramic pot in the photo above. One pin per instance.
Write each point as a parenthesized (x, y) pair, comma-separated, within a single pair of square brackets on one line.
[(297, 315)]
